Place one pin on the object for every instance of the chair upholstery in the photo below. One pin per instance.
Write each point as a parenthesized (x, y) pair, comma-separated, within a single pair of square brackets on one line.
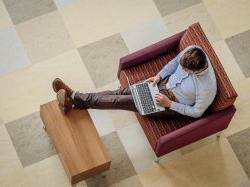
[(166, 135)]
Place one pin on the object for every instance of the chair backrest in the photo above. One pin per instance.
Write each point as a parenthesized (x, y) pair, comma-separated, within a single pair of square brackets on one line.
[(226, 94)]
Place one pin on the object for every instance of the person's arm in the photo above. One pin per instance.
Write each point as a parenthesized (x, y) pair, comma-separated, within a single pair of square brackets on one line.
[(169, 68), (203, 100)]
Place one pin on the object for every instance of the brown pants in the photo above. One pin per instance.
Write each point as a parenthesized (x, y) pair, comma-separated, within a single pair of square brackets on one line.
[(118, 99)]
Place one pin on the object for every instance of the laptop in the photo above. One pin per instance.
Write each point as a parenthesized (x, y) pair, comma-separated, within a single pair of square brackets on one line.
[(143, 93)]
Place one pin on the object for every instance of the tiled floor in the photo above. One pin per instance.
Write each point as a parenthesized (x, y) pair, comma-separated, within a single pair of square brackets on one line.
[(168, 6), (5, 20), (47, 38), (240, 142), (145, 34), (81, 42), (101, 58), (181, 19), (11, 42), (240, 47), (121, 166), (21, 11), (28, 128)]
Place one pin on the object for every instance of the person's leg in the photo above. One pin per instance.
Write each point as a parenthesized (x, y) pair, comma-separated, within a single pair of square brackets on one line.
[(110, 99), (101, 101), (119, 99), (119, 91)]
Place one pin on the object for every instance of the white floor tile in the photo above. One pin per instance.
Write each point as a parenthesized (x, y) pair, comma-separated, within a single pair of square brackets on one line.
[(145, 34), (47, 38), (24, 91), (230, 16), (12, 53), (180, 21), (5, 20)]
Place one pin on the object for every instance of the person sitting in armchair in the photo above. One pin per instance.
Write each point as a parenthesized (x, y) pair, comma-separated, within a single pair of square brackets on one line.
[(187, 86)]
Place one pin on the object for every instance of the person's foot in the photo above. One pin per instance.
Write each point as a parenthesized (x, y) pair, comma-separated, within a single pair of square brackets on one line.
[(58, 84), (65, 102)]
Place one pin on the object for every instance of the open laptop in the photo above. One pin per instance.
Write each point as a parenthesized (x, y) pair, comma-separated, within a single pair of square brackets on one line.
[(143, 93)]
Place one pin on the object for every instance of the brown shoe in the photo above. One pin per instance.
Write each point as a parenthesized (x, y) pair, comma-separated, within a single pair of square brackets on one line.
[(58, 84), (65, 102)]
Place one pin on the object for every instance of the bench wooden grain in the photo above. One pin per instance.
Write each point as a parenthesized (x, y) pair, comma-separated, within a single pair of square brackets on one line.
[(76, 140)]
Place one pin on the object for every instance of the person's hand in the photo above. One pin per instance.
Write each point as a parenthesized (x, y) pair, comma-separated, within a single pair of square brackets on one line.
[(154, 79), (162, 100)]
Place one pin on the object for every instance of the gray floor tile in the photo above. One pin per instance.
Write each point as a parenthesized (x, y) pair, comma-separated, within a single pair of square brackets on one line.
[(63, 3), (169, 6), (131, 181), (182, 19), (102, 58), (12, 53), (20, 11), (240, 47), (31, 142), (44, 37), (240, 143), (121, 166), (245, 184)]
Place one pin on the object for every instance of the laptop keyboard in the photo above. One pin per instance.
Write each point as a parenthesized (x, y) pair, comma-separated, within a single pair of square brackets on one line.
[(145, 98)]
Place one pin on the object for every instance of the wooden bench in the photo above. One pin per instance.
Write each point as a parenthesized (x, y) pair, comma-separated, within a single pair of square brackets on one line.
[(76, 140)]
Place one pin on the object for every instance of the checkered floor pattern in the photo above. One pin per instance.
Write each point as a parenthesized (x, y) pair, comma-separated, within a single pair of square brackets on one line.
[(81, 42)]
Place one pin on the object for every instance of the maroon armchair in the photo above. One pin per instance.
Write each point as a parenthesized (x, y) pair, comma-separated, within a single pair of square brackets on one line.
[(166, 135)]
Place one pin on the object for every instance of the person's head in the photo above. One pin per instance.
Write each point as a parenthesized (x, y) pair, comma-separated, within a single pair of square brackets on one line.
[(194, 61)]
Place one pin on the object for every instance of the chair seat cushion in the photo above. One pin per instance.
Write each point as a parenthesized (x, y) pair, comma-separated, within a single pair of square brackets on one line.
[(154, 128)]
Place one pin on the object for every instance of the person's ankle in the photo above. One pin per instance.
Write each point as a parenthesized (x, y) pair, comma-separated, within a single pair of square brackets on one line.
[(72, 95)]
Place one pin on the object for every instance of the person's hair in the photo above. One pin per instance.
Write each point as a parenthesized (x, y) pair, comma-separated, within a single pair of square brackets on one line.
[(194, 59)]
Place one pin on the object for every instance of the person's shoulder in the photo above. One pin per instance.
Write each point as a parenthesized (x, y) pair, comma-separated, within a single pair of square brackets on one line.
[(206, 78)]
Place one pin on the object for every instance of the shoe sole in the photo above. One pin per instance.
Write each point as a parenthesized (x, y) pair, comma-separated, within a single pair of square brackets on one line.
[(62, 99), (61, 96)]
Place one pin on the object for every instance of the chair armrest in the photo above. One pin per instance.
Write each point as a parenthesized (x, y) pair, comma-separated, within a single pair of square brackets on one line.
[(196, 130), (149, 52)]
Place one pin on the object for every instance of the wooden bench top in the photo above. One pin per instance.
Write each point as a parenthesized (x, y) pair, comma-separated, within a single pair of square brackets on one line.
[(76, 140)]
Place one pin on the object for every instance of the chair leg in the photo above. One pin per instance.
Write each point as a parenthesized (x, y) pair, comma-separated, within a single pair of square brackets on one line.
[(157, 159), (218, 135)]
